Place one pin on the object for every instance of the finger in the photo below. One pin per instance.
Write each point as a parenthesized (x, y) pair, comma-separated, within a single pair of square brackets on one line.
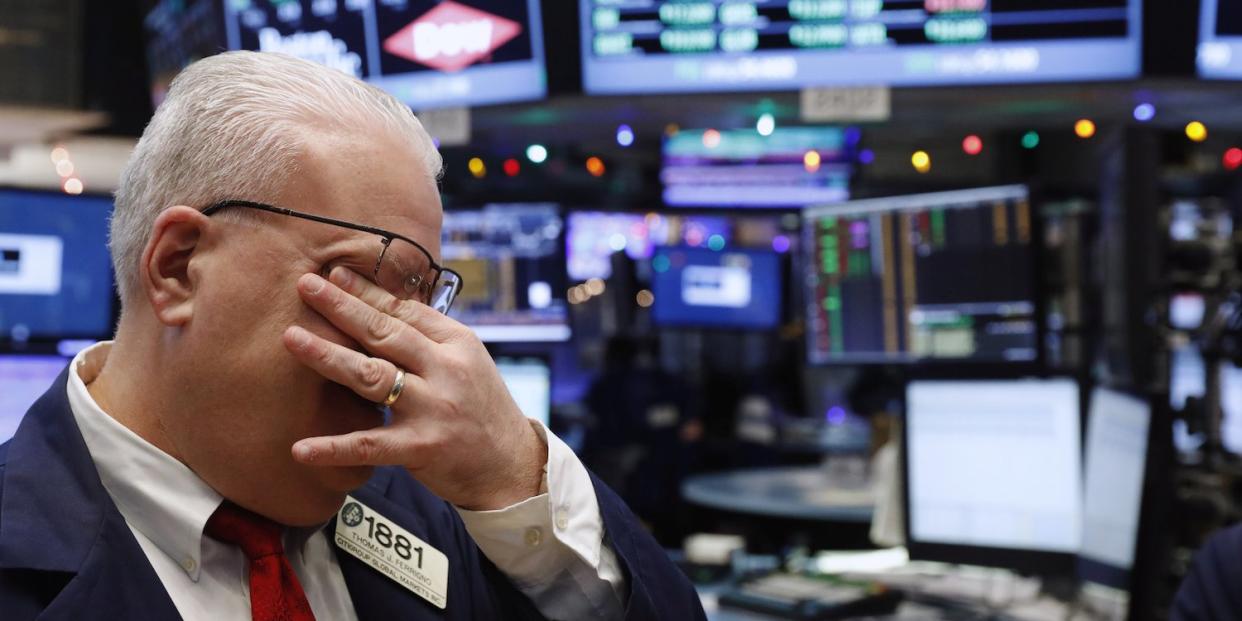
[(379, 333), (372, 378), (382, 446), (432, 323)]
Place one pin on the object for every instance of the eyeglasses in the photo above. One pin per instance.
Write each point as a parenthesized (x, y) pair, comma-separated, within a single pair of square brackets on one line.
[(404, 267)]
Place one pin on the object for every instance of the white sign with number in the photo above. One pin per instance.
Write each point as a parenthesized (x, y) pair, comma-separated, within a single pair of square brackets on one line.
[(827, 105), (393, 551)]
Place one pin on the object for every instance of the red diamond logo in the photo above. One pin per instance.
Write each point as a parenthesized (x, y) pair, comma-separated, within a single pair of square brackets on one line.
[(451, 37)]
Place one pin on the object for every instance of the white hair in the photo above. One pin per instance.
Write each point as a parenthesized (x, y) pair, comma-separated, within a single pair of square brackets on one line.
[(232, 127)]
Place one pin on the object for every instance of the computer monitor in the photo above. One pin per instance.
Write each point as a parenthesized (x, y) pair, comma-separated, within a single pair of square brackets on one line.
[(178, 33), (993, 473), (662, 46), (426, 53), (1116, 464), (1187, 378), (743, 168), (1220, 39), (55, 270), (948, 276), (530, 382), (695, 287), (594, 236), (509, 256), (23, 379)]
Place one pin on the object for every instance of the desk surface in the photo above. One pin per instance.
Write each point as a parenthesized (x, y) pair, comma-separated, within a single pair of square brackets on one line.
[(804, 493)]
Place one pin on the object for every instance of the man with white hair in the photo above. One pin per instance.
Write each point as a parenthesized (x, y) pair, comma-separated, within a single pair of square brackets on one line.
[(287, 426)]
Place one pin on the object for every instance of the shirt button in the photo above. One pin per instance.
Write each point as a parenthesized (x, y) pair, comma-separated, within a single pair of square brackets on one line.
[(562, 519), (189, 564), (534, 536)]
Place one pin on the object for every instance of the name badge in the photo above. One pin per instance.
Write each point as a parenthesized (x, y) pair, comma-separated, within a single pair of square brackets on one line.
[(393, 551)]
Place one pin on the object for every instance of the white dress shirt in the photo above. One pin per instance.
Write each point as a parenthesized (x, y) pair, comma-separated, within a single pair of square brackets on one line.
[(551, 546)]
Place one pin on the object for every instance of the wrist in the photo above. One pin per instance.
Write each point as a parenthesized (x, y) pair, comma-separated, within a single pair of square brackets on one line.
[(527, 472)]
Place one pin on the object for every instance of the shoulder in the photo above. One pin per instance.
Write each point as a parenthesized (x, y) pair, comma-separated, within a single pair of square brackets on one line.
[(1209, 590)]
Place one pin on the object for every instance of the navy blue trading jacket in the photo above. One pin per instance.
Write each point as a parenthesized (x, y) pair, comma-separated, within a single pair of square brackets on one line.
[(66, 552)]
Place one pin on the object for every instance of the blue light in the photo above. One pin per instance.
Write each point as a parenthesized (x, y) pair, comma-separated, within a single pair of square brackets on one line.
[(780, 243), (866, 156), (1144, 112), (716, 242), (835, 415), (853, 136), (625, 135)]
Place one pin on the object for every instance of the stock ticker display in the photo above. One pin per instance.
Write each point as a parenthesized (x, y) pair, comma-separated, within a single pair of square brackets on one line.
[(426, 53), (946, 276), (679, 45), (1220, 39)]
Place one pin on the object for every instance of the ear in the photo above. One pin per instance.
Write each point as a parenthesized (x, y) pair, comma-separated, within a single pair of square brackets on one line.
[(165, 270)]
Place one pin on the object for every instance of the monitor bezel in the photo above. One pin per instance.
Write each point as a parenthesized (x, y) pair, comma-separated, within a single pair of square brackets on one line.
[(1158, 459), (51, 344), (1024, 560), (781, 278), (948, 367), (559, 257)]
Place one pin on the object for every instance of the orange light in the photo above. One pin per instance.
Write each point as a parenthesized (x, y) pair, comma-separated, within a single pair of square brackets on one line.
[(1084, 128), (595, 166), (645, 298), (972, 145), (811, 161)]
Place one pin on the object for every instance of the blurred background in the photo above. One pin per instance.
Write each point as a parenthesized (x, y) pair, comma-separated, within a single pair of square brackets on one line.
[(923, 308)]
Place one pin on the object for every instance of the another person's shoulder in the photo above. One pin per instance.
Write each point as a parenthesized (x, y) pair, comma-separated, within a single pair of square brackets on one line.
[(1210, 591)]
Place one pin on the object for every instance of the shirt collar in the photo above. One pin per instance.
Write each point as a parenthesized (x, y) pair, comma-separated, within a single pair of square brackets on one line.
[(158, 495)]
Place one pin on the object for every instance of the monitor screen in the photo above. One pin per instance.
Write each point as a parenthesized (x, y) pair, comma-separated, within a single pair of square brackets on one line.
[(1220, 39), (55, 270), (932, 277), (23, 379), (722, 289), (510, 260), (427, 53), (594, 236), (790, 167), (1187, 378), (994, 465), (1116, 455), (530, 382), (179, 32), (656, 46)]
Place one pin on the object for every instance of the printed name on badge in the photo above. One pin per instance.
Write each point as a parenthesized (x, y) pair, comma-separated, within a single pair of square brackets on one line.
[(393, 551)]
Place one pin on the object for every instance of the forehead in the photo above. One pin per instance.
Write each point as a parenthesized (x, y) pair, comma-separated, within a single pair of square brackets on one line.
[(367, 177)]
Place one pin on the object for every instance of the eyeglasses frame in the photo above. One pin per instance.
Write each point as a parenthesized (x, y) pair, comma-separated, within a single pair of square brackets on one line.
[(385, 236)]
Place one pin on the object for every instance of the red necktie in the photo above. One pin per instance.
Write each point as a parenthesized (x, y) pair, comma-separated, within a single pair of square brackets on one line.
[(275, 593)]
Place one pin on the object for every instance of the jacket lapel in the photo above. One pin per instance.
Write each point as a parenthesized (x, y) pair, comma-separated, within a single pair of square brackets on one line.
[(59, 526)]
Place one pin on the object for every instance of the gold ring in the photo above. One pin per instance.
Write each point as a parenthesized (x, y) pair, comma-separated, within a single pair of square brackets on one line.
[(397, 387)]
